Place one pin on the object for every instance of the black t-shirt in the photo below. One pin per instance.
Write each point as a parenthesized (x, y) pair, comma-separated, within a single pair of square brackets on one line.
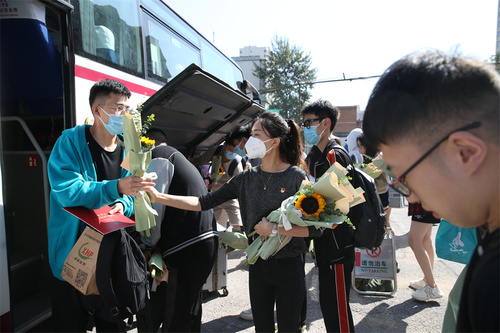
[(107, 163), (180, 228), (479, 304)]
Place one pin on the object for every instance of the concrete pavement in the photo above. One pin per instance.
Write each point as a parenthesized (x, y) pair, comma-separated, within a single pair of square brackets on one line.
[(397, 313)]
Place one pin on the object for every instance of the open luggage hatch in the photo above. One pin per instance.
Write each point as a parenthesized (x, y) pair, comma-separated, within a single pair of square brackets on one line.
[(196, 110)]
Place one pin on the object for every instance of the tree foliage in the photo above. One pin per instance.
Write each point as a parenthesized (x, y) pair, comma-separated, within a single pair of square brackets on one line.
[(495, 59), (287, 72)]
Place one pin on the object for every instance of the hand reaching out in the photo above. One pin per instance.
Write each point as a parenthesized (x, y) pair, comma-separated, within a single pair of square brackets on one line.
[(132, 185), (152, 194)]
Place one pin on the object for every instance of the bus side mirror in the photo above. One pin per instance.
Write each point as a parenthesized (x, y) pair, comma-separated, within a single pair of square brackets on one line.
[(247, 88)]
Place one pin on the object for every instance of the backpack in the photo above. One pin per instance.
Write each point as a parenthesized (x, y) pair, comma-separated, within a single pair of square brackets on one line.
[(122, 280), (368, 217)]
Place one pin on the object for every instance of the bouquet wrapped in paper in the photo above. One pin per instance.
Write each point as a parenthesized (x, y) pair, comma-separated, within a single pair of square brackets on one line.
[(234, 239), (137, 160), (375, 168), (324, 203)]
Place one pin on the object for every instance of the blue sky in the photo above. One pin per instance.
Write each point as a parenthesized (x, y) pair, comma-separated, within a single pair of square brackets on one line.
[(352, 38)]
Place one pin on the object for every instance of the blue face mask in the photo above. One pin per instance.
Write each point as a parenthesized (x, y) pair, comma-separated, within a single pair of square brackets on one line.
[(311, 135), (240, 151), (230, 155), (115, 123)]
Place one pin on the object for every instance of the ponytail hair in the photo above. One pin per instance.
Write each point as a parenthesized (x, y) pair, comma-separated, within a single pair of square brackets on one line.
[(290, 148)]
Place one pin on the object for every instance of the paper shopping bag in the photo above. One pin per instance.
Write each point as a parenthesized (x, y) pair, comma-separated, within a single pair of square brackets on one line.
[(80, 265)]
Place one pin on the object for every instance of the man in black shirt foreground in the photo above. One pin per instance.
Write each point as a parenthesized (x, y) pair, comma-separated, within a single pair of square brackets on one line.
[(436, 119)]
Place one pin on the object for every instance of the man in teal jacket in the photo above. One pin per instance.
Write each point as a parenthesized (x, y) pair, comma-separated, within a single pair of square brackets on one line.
[(84, 170)]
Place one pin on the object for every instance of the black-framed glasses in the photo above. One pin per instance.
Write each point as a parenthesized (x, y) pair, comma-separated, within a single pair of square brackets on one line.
[(399, 184), (307, 123), (120, 109)]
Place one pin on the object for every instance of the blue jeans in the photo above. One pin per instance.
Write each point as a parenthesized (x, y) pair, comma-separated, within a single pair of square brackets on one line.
[(281, 281)]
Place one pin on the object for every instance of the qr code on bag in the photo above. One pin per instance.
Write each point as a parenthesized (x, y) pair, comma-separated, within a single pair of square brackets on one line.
[(81, 278)]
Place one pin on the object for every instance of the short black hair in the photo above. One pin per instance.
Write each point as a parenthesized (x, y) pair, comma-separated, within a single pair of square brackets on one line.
[(426, 95), (370, 150), (322, 109), (238, 134), (103, 88), (157, 134)]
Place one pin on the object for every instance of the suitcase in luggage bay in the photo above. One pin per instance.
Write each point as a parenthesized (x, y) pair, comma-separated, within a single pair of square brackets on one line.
[(217, 280)]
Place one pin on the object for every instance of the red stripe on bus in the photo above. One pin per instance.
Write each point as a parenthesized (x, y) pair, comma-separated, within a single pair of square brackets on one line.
[(95, 76)]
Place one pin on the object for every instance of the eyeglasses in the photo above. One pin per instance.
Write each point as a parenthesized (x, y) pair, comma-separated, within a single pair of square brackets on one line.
[(120, 109), (307, 123), (399, 183)]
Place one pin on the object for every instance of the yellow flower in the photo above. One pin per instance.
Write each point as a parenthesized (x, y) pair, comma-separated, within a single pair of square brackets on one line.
[(147, 142), (312, 205)]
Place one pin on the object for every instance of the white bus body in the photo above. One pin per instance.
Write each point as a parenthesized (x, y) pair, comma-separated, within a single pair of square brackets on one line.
[(52, 52)]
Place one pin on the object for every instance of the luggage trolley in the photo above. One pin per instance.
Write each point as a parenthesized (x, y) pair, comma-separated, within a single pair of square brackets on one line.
[(378, 263), (217, 280)]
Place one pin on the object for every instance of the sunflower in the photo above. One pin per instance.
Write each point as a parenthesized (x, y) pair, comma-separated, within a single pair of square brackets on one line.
[(311, 205), (221, 170)]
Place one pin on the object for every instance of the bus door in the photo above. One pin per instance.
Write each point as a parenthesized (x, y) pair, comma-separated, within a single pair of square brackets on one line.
[(36, 103)]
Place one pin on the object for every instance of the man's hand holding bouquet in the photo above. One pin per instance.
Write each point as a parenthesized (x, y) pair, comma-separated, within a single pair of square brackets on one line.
[(137, 160)]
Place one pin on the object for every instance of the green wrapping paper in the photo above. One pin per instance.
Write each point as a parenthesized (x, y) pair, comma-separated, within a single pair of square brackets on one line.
[(235, 239), (338, 193), (138, 161), (156, 266)]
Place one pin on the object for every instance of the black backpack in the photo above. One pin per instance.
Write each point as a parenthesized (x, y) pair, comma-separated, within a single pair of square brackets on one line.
[(122, 280), (368, 217)]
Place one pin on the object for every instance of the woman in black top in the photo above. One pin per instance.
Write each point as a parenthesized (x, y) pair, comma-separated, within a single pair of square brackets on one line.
[(260, 190)]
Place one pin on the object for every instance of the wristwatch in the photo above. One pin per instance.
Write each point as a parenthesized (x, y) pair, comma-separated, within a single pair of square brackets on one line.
[(274, 232)]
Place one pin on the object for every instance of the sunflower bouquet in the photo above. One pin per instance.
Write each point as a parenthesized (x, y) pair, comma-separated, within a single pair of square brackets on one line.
[(137, 160), (322, 204)]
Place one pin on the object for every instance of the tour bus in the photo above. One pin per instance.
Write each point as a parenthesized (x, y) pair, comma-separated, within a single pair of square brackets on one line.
[(52, 52)]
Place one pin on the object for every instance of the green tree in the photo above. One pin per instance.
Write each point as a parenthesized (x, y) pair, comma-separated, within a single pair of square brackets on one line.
[(287, 77), (495, 59)]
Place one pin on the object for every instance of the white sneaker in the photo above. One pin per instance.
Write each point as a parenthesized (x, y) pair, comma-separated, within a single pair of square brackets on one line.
[(417, 284), (247, 314), (426, 293)]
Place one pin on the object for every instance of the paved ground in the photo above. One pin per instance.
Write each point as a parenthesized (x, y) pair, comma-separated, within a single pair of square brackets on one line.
[(397, 313)]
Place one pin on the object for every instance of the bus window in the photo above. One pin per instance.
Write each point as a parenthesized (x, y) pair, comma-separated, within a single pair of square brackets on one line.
[(160, 10), (109, 32), (167, 53), (211, 63)]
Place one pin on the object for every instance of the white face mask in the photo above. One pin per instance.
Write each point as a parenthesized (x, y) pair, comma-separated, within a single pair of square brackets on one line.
[(256, 148)]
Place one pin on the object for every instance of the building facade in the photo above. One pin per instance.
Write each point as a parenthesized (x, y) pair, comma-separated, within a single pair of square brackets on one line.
[(249, 57), (349, 119), (498, 28)]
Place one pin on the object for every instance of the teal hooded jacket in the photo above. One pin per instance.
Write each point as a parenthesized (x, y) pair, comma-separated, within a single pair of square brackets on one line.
[(73, 181)]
